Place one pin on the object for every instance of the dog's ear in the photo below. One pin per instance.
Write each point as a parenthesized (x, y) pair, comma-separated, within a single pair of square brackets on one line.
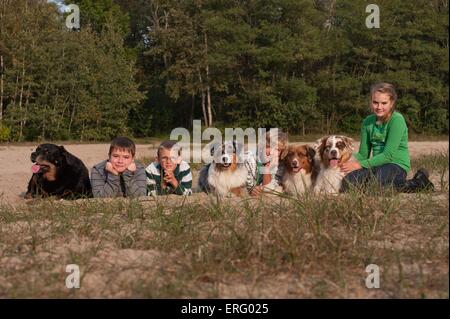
[(285, 152), (66, 157), (348, 142), (311, 152), (63, 153), (319, 146), (213, 148)]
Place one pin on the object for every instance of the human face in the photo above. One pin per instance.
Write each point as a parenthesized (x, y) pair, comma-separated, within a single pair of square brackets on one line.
[(168, 159), (275, 150), (381, 105), (120, 159)]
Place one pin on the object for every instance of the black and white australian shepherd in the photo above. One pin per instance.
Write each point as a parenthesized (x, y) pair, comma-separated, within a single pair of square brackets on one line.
[(227, 173), (333, 150), (300, 169)]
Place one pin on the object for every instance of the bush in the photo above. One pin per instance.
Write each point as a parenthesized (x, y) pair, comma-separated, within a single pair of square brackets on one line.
[(4, 133)]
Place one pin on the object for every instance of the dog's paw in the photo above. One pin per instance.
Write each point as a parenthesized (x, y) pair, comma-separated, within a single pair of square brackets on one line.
[(28, 196)]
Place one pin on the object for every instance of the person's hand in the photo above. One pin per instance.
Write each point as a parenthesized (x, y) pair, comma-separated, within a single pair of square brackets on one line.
[(349, 167), (256, 191), (169, 178), (132, 167), (109, 167)]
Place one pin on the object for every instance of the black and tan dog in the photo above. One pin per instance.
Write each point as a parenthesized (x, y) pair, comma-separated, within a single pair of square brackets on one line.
[(57, 173)]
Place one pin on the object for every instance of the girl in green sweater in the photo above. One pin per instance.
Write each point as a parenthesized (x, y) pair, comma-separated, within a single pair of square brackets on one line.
[(384, 134)]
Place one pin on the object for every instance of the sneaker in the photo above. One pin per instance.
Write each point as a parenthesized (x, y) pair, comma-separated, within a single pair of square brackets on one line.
[(422, 177), (421, 171)]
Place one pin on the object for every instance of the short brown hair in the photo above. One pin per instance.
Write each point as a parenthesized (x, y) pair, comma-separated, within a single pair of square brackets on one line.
[(122, 143), (168, 145)]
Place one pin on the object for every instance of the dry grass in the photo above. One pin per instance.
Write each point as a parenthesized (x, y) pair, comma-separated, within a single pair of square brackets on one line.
[(275, 247)]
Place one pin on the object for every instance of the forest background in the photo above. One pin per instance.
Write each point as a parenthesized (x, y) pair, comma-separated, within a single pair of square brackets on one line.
[(143, 67)]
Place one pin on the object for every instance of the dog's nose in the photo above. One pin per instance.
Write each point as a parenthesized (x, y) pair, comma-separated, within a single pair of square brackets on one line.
[(333, 153), (226, 159), (294, 162), (33, 157)]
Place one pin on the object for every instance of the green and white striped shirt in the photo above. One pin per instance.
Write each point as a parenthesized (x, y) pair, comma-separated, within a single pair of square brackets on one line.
[(182, 174)]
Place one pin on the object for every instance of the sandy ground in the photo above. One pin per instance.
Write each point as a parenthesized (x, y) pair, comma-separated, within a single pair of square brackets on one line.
[(15, 170)]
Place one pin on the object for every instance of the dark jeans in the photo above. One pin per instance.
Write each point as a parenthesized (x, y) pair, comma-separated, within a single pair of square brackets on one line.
[(387, 175)]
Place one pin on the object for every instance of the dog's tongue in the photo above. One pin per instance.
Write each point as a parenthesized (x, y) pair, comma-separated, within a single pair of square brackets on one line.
[(35, 168), (334, 162)]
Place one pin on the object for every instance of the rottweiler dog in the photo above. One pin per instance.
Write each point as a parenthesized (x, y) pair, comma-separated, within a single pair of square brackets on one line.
[(58, 173)]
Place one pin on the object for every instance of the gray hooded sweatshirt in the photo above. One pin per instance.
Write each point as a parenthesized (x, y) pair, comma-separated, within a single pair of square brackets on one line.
[(126, 184)]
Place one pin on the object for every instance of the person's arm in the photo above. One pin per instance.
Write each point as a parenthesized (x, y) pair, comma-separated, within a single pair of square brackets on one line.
[(136, 182), (184, 182), (279, 175), (152, 187), (275, 178), (393, 139), (104, 187), (267, 176), (270, 170), (251, 166), (364, 145)]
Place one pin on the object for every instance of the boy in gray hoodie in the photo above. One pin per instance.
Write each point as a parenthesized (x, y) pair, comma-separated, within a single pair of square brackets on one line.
[(120, 175)]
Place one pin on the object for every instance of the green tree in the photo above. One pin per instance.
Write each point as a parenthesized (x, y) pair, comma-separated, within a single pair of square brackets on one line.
[(60, 84)]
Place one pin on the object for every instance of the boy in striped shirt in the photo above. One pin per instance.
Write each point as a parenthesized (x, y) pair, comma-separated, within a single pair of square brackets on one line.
[(169, 174)]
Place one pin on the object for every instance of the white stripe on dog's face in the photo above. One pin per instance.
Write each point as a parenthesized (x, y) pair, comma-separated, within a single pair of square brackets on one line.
[(334, 148), (331, 149), (225, 156), (334, 151)]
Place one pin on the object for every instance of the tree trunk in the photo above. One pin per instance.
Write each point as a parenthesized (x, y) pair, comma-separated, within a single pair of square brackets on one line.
[(16, 85), (205, 115), (82, 131), (45, 112), (208, 98), (328, 121), (192, 111), (73, 103), (1, 88), (25, 116), (21, 98), (208, 91), (72, 115), (166, 26)]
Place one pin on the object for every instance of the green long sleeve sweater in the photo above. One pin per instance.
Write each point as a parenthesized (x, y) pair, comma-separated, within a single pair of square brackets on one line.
[(388, 142)]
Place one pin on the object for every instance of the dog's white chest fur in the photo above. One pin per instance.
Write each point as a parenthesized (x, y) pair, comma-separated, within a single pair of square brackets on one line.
[(224, 181), (297, 183), (329, 180)]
